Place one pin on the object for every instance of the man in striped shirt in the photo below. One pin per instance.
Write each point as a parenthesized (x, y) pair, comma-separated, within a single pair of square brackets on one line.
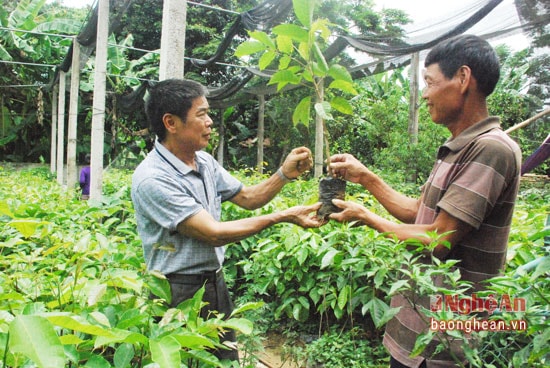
[(469, 196)]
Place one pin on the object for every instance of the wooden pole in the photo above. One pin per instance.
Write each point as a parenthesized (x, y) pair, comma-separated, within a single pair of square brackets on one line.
[(53, 145), (98, 115), (61, 130), (319, 136), (413, 109), (73, 117), (261, 134), (528, 121), (222, 138), (413, 103), (172, 41)]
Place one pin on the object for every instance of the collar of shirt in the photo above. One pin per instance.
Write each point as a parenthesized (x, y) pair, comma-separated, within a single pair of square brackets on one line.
[(475, 130), (172, 160)]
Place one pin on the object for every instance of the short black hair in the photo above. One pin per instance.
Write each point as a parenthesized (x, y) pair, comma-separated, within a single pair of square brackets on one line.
[(469, 50), (171, 96)]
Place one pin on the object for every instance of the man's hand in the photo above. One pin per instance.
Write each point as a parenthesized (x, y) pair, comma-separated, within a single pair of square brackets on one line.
[(298, 161), (351, 211), (304, 216), (347, 167)]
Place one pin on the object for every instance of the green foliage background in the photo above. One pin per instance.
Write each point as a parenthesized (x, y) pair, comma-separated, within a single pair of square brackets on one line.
[(72, 271)]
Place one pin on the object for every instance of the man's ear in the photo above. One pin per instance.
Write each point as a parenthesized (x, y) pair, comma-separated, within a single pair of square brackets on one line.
[(464, 75), (169, 121)]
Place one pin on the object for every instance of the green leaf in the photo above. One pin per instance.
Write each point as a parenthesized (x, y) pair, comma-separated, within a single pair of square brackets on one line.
[(291, 31), (165, 352), (70, 340), (320, 27), (77, 323), (377, 309), (5, 55), (339, 72), (299, 312), (343, 297), (321, 62), (4, 207), (304, 11), (343, 86), (266, 59), (284, 77), (284, 62), (207, 358), (119, 336), (123, 355), (301, 255), (380, 276), (397, 285), (96, 293), (284, 44), (246, 307), (193, 340), (308, 76), (239, 324), (328, 258), (342, 105), (422, 342), (249, 48), (323, 109), (35, 337), (388, 314), (302, 112), (542, 268), (263, 38), (303, 50), (97, 361), (159, 286), (26, 227)]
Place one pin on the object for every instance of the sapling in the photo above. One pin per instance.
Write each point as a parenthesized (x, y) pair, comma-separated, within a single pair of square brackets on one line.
[(296, 49)]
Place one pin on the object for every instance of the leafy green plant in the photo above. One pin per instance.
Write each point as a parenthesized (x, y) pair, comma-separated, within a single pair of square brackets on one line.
[(345, 349), (75, 290), (298, 50), (72, 276)]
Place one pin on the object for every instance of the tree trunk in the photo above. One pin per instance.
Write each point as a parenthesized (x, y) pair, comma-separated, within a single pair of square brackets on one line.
[(72, 173), (413, 109), (222, 138), (413, 104), (53, 145), (61, 130), (261, 133), (319, 135), (98, 116)]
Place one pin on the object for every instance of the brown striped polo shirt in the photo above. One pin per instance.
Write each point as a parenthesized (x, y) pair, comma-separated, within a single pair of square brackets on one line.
[(475, 179)]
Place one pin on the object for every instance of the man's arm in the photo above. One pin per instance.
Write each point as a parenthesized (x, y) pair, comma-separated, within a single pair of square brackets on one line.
[(398, 205), (204, 227), (296, 163), (256, 196), (452, 228)]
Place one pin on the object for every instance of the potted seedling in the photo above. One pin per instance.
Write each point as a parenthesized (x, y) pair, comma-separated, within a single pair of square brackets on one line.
[(295, 50)]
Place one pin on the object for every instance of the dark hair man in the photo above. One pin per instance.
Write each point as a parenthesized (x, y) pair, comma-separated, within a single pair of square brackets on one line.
[(178, 190), (469, 196)]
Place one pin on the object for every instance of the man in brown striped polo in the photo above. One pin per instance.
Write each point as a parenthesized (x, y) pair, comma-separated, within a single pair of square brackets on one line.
[(469, 196)]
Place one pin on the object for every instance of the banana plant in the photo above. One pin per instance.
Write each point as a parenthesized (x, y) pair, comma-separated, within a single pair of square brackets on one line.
[(297, 52)]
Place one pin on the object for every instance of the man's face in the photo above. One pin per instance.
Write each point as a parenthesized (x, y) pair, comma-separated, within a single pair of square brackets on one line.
[(195, 132), (442, 96)]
